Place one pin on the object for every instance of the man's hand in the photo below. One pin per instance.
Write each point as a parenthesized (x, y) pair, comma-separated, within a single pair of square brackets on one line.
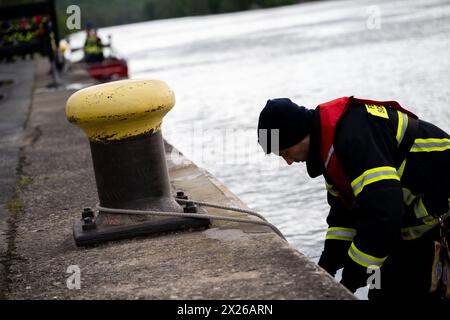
[(354, 276), (334, 255)]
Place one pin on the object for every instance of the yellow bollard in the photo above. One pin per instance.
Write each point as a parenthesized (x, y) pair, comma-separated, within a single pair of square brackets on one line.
[(123, 120)]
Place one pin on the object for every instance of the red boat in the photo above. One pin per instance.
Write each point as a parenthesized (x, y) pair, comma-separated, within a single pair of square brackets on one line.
[(110, 69)]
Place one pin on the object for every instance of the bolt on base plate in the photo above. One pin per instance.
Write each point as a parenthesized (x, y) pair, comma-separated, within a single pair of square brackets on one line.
[(89, 232)]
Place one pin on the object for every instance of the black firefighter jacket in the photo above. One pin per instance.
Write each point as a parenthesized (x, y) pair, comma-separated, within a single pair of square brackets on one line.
[(396, 197)]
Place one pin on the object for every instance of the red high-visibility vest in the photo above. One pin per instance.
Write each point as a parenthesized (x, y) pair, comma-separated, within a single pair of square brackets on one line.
[(330, 114)]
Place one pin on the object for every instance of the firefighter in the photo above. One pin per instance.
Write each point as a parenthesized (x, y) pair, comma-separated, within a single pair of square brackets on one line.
[(388, 179), (38, 26), (7, 35), (24, 33), (93, 47)]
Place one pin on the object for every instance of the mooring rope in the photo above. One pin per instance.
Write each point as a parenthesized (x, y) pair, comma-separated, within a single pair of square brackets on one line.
[(198, 215)]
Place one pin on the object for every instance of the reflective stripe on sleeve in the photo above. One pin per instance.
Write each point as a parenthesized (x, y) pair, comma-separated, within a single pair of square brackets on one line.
[(338, 233), (421, 212), (374, 175), (364, 259), (401, 128), (419, 209), (411, 233), (408, 197), (415, 232), (430, 145), (401, 169)]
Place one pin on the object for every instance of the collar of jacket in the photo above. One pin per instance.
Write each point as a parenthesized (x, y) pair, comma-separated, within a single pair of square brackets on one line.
[(314, 163)]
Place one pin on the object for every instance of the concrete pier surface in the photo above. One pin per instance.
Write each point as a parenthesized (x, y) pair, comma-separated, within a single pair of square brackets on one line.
[(55, 181), (17, 81)]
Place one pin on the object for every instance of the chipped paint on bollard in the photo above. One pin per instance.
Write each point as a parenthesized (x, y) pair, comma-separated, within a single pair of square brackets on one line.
[(122, 120), (120, 109)]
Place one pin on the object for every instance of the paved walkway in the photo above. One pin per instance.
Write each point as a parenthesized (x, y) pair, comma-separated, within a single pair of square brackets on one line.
[(15, 93)]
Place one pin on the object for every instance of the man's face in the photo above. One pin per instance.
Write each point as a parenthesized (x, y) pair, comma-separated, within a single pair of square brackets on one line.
[(296, 153)]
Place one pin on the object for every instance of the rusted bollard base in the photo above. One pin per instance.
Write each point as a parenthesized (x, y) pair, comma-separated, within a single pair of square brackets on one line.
[(109, 227)]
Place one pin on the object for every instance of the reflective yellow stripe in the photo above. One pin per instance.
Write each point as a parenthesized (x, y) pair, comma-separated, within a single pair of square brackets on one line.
[(422, 213), (330, 189), (338, 233), (401, 128), (429, 220), (401, 169), (408, 197), (372, 176), (364, 259), (415, 232), (411, 233), (419, 209), (430, 145)]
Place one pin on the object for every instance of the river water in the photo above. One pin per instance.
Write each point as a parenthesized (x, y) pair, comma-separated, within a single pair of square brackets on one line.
[(224, 68)]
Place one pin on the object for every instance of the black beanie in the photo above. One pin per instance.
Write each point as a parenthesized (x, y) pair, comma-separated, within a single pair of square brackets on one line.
[(293, 122)]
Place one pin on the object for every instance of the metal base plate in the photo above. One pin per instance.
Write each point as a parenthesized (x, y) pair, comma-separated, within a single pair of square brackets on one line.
[(153, 225)]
